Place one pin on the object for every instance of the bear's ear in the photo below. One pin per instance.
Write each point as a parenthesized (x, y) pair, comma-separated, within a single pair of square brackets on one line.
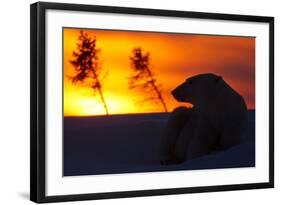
[(218, 81)]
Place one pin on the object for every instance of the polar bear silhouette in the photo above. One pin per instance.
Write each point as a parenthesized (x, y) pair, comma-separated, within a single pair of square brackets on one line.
[(217, 121)]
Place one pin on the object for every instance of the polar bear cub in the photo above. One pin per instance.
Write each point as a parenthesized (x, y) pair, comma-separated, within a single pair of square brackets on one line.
[(217, 121)]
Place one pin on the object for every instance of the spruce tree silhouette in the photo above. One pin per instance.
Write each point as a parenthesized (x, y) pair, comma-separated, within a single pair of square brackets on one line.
[(86, 64), (143, 76)]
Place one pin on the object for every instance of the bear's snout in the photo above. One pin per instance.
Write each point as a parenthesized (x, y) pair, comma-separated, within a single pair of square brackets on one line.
[(173, 92), (179, 94)]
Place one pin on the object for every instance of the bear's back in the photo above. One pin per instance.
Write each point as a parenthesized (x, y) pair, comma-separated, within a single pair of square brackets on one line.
[(226, 107)]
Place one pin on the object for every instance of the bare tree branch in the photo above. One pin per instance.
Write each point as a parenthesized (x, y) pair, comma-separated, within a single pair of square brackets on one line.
[(86, 64), (143, 76)]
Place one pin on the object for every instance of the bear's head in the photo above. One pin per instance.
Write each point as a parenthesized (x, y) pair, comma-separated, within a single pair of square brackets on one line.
[(197, 89)]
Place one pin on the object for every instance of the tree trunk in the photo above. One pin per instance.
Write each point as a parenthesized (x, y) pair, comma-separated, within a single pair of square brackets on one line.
[(103, 101), (159, 95), (100, 93)]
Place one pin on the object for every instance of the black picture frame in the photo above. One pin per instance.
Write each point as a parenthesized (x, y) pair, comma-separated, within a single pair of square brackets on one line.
[(38, 101)]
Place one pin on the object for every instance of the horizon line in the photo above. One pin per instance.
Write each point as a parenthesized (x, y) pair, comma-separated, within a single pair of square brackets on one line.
[(122, 114)]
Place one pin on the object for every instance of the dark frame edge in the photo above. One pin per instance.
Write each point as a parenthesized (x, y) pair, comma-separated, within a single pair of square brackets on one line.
[(156, 192), (33, 104), (37, 103), (271, 102), (154, 12)]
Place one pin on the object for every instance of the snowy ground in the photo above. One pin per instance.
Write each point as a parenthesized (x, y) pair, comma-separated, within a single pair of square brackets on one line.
[(131, 143)]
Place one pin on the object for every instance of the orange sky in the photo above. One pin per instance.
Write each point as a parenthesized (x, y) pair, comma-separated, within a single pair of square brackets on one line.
[(174, 57)]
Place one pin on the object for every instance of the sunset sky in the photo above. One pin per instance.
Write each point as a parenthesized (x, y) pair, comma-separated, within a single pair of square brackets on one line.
[(174, 57)]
